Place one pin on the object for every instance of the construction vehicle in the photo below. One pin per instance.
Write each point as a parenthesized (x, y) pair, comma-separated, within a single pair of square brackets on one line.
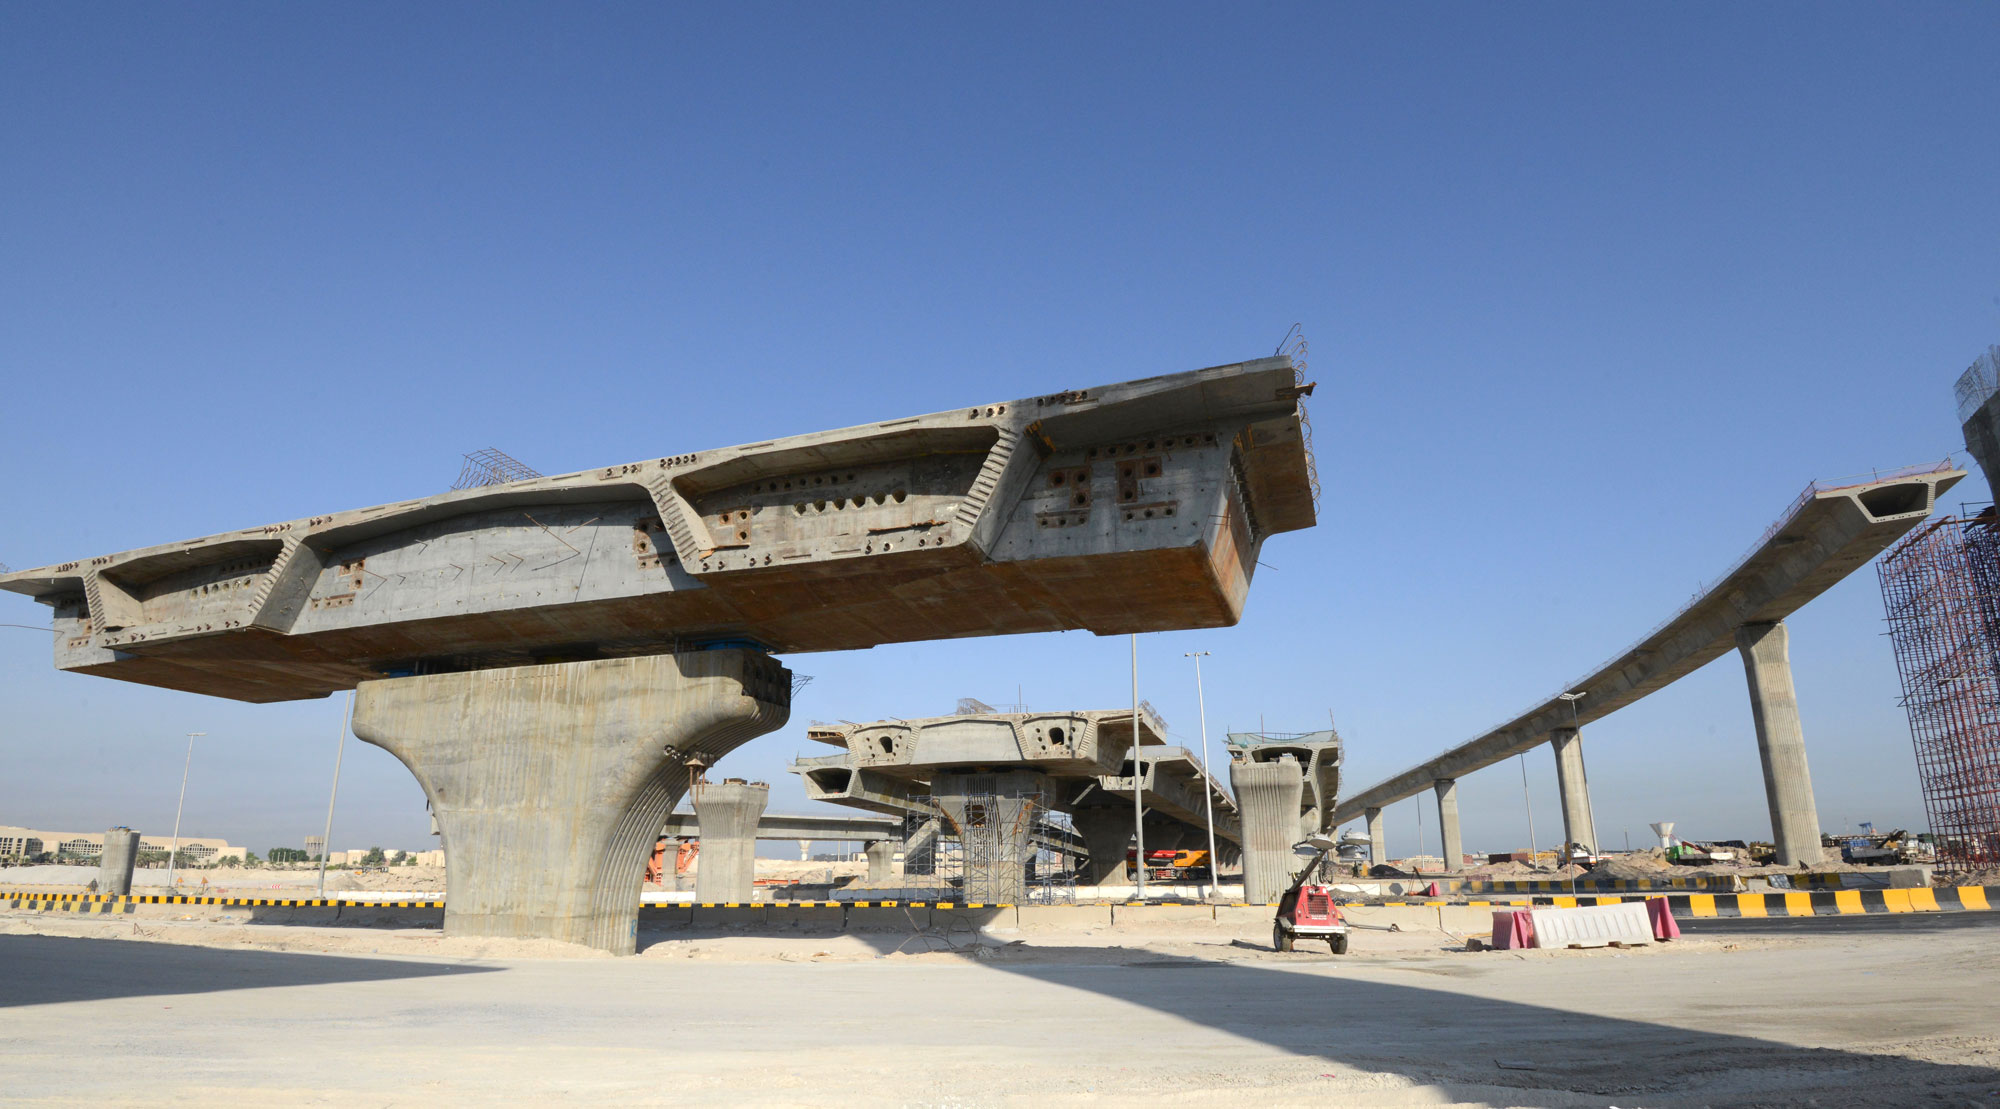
[(1307, 910), (1171, 864)]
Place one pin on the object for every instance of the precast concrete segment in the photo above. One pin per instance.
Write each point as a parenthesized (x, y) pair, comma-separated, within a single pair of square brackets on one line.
[(1574, 789), (727, 812), (551, 783), (797, 826), (1318, 755), (1378, 838), (1453, 845), (1781, 743), (882, 860), (1979, 414), (1827, 533), (889, 765), (1134, 507), (114, 866), (1268, 795)]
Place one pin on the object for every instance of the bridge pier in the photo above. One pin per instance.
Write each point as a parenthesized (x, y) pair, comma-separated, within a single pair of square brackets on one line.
[(1453, 846), (881, 860), (1107, 835), (994, 813), (1378, 838), (727, 812), (1578, 826), (114, 866), (550, 783), (1781, 744), (1268, 795)]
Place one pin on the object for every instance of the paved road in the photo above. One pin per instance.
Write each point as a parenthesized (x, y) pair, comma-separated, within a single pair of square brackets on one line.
[(1833, 1021)]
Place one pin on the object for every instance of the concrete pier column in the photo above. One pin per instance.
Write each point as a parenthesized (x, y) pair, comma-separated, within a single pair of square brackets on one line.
[(1781, 743), (1268, 797), (114, 866), (551, 782), (1454, 843), (1378, 838), (1107, 836), (726, 814), (994, 815), (1575, 790), (881, 860)]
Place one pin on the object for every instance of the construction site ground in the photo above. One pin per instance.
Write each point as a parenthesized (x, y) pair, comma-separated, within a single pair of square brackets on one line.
[(194, 1004)]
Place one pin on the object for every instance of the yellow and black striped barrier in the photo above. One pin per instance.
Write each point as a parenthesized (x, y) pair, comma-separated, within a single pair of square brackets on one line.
[(1774, 904), (51, 905), (1723, 883), (171, 899), (827, 905), (354, 903)]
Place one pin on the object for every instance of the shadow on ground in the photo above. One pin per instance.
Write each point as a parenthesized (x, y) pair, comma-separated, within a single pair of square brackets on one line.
[(1466, 1043), (44, 970)]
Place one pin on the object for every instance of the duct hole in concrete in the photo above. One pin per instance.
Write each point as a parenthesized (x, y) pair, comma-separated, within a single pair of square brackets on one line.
[(800, 509), (1057, 477), (742, 535), (1056, 735), (1896, 500), (900, 496), (888, 745), (1079, 499), (1152, 469)]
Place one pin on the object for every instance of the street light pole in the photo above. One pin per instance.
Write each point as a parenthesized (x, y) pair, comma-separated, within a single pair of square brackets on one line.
[(1138, 806), (1208, 784), (339, 752), (1530, 802), (175, 848)]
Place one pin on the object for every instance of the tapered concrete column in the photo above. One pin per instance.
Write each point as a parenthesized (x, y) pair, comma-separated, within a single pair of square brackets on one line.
[(1781, 743), (1107, 836), (881, 860), (994, 815), (1454, 844), (114, 866), (726, 813), (1575, 790), (551, 783), (1268, 797), (1378, 838)]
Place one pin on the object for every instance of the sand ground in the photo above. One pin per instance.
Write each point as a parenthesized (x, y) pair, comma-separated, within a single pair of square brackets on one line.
[(140, 1011)]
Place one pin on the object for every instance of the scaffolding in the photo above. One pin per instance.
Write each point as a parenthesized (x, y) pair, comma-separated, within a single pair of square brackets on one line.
[(1941, 590), (1008, 847)]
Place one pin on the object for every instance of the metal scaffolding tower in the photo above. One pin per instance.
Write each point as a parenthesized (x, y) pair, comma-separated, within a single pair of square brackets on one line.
[(1941, 588)]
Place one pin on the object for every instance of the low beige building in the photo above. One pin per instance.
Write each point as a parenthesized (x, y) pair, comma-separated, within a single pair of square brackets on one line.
[(23, 842)]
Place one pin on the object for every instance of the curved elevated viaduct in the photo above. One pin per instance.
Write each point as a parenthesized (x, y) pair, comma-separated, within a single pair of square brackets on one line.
[(1830, 531)]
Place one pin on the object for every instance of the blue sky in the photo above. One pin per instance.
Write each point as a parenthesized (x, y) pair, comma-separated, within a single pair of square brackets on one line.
[(1591, 293)]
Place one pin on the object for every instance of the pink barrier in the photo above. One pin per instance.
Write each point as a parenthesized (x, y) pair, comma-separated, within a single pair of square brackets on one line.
[(1513, 928), (1664, 927)]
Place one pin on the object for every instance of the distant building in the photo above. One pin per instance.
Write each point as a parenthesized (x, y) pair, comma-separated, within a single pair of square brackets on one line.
[(200, 850)]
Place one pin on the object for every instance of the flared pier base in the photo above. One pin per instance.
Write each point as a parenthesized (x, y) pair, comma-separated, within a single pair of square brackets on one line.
[(550, 783), (1268, 794)]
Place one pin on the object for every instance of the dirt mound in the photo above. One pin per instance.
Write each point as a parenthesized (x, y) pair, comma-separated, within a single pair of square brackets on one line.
[(1650, 863)]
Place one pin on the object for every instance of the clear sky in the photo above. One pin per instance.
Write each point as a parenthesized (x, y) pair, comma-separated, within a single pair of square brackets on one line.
[(1591, 293)]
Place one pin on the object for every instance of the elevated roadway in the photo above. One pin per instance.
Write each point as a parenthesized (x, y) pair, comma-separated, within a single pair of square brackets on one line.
[(1828, 532), (553, 657)]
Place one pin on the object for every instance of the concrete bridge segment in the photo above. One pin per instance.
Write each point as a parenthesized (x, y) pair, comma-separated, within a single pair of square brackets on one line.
[(543, 654)]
